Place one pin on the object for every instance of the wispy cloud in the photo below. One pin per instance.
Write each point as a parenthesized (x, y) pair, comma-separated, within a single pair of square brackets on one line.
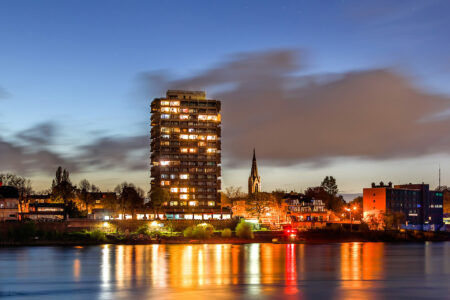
[(291, 119), (30, 151), (4, 93)]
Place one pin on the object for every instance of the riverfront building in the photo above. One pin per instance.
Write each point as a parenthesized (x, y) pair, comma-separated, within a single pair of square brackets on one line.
[(9, 203), (186, 154), (422, 208)]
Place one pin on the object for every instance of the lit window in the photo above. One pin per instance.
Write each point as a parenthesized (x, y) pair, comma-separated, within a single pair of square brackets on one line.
[(165, 130), (211, 150), (193, 150), (164, 102), (184, 196), (212, 118), (192, 203), (206, 217), (183, 203), (184, 117), (173, 176), (193, 190), (165, 116), (183, 190), (173, 203), (193, 137), (202, 137), (174, 110), (191, 130), (184, 136), (174, 190), (211, 203), (201, 144), (165, 182), (227, 216), (202, 117), (165, 109), (188, 217), (216, 216), (165, 162), (211, 137), (197, 217), (165, 136), (183, 150), (184, 176), (184, 110), (174, 103)]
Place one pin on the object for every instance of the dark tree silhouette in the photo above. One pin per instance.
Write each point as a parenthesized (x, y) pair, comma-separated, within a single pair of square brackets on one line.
[(130, 198), (158, 196), (63, 191)]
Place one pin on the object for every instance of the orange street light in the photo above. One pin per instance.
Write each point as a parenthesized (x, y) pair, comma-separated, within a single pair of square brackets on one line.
[(350, 211)]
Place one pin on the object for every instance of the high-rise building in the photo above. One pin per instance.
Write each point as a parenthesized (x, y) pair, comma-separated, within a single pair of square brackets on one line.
[(254, 181), (186, 154), (422, 208)]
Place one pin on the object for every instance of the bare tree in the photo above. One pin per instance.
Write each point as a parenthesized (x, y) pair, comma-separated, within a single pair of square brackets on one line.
[(233, 192)]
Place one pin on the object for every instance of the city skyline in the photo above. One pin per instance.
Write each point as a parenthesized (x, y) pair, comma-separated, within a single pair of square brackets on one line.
[(78, 95)]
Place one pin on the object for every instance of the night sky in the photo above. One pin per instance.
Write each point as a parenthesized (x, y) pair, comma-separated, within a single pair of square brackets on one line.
[(355, 89)]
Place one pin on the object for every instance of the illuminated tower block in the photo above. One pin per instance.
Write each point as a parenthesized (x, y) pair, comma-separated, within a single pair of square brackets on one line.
[(185, 153)]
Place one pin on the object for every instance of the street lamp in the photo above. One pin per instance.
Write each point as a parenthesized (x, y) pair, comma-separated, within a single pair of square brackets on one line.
[(350, 211)]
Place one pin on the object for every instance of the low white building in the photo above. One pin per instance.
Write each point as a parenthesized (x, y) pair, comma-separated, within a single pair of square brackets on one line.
[(9, 203)]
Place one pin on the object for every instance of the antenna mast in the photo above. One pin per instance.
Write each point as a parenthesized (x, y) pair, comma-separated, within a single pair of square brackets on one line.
[(439, 187)]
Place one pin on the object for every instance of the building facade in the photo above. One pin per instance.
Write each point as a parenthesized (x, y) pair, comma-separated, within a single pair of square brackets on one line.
[(186, 154), (254, 181), (422, 208), (45, 211), (300, 209), (446, 195), (9, 203)]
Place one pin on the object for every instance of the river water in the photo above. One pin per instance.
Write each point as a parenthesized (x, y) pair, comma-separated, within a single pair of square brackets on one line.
[(252, 271)]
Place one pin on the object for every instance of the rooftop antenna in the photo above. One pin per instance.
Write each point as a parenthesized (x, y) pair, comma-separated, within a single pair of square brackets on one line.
[(439, 187)]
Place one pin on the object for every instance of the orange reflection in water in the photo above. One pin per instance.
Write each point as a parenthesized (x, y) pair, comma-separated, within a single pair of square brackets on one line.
[(235, 263), (76, 269), (361, 263)]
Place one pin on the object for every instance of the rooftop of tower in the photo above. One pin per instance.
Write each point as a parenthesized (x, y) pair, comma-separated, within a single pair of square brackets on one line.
[(183, 94)]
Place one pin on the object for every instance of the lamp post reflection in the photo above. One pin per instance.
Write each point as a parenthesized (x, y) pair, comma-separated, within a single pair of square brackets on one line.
[(105, 273)]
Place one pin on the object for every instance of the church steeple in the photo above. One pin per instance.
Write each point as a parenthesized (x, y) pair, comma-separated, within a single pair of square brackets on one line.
[(254, 181)]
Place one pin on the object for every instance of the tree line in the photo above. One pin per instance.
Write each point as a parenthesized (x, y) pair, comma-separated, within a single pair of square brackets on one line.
[(126, 198)]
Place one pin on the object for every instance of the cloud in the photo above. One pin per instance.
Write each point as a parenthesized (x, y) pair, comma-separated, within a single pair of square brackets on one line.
[(30, 151), (25, 160), (292, 118), (268, 103), (41, 134), (4, 93), (130, 153)]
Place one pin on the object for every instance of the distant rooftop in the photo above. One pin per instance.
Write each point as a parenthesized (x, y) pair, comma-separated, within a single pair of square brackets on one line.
[(182, 94)]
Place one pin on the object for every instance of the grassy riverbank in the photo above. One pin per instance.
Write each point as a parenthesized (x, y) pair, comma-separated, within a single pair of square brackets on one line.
[(33, 234)]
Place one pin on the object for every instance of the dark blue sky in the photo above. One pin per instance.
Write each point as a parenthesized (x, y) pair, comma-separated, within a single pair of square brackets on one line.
[(76, 67)]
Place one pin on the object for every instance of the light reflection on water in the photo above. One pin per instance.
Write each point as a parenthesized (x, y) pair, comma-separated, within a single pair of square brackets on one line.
[(253, 271)]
